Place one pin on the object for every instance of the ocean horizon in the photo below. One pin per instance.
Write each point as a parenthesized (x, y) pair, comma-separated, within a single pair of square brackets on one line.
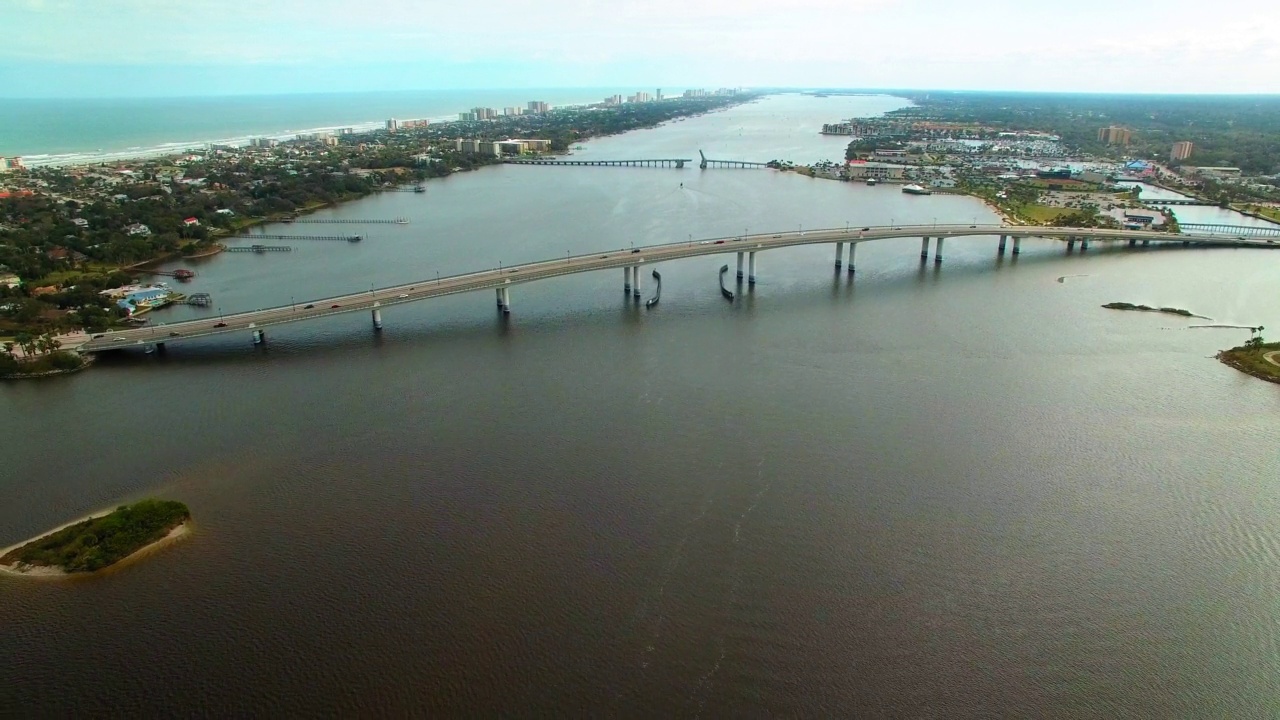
[(47, 131)]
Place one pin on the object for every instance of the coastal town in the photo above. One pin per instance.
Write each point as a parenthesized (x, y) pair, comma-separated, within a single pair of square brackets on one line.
[(76, 242)]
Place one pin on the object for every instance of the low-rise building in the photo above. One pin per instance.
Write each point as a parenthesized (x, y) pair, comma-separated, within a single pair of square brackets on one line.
[(137, 229), (859, 170), (10, 280)]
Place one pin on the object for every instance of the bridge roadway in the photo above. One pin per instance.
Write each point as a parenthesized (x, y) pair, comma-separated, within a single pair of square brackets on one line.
[(367, 301)]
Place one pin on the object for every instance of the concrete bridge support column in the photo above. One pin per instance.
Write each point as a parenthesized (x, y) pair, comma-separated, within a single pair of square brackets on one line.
[(937, 252), (739, 266), (924, 248), (1071, 244), (1146, 242), (1084, 243), (377, 318), (1000, 250), (626, 280), (635, 283), (839, 254), (506, 300), (852, 247), (1132, 242), (259, 337), (498, 292), (1017, 246), (751, 268)]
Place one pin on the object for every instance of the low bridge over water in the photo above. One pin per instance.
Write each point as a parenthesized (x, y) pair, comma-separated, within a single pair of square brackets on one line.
[(708, 162), (649, 162), (1232, 230), (1179, 201), (632, 262)]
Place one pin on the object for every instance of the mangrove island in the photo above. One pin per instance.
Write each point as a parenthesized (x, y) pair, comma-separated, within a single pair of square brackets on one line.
[(99, 542), (1256, 357)]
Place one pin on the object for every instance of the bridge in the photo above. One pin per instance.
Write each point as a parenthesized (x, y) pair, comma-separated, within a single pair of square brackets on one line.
[(348, 238), (708, 162), (1237, 231), (1179, 201), (631, 262), (649, 162)]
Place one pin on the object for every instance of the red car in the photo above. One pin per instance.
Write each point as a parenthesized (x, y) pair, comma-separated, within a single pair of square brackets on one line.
[(221, 324), (719, 242), (335, 305)]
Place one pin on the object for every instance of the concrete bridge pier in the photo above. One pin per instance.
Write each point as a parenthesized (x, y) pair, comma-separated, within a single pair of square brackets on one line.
[(852, 247), (160, 348), (377, 318), (1071, 244), (1017, 246), (1084, 243), (1132, 242), (924, 248), (626, 280), (635, 283), (259, 337), (751, 268), (937, 252), (498, 292), (1000, 250), (1146, 243), (506, 300), (739, 266), (839, 254)]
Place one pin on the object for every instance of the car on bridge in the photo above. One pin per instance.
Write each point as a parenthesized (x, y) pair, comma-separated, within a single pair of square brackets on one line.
[(221, 324), (334, 306), (308, 306)]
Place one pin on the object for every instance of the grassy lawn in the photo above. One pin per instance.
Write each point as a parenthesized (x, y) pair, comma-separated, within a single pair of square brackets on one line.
[(1252, 360), (1040, 213), (1266, 211)]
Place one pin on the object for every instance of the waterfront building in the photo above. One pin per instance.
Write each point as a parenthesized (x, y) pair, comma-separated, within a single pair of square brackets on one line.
[(1114, 135), (658, 95), (1181, 150), (466, 117), (1217, 173), (13, 163), (483, 113), (137, 229), (509, 111), (392, 125), (861, 170), (639, 97), (537, 106)]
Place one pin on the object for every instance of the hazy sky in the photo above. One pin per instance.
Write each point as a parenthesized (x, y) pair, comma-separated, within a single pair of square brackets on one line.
[(65, 48)]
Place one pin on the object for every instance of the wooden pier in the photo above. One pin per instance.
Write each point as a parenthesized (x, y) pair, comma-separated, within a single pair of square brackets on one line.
[(318, 221), (348, 238), (260, 249)]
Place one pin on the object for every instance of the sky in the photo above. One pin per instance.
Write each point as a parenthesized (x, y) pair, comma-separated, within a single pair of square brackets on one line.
[(116, 48)]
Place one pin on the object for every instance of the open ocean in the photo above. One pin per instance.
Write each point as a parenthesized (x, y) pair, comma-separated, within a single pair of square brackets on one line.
[(68, 131)]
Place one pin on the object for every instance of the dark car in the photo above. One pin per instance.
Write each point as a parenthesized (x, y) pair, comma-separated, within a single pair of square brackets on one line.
[(335, 305), (973, 226), (633, 252), (95, 337), (174, 334), (221, 324), (865, 229), (719, 242)]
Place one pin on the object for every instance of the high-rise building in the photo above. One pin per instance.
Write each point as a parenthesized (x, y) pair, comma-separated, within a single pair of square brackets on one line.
[(392, 125), (510, 111), (484, 113), (658, 95), (537, 106), (1114, 135), (1181, 150)]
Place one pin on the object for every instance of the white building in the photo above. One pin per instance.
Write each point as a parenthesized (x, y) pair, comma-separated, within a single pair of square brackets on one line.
[(875, 170)]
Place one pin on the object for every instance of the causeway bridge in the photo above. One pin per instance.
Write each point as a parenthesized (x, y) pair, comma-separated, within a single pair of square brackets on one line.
[(708, 162), (632, 262), (1232, 230), (1177, 201), (649, 162)]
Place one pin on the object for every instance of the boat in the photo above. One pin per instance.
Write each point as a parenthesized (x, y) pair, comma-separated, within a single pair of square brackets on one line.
[(401, 221), (419, 189), (916, 190), (183, 274), (149, 349), (872, 181)]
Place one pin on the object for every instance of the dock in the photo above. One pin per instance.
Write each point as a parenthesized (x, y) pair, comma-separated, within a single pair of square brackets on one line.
[(318, 221), (347, 238), (260, 249)]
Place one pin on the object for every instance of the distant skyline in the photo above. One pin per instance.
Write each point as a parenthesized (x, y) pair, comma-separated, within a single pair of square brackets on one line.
[(138, 48)]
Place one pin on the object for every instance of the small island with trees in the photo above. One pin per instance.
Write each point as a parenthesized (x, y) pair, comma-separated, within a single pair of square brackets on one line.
[(99, 542), (1256, 357), (1148, 308)]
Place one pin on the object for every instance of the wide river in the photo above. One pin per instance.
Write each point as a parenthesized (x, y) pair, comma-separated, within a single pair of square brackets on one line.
[(965, 491)]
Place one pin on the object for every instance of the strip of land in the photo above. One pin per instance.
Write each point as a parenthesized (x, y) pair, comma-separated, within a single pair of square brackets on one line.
[(100, 541)]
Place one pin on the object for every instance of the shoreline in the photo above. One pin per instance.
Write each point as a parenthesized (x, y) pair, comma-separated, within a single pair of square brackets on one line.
[(178, 532)]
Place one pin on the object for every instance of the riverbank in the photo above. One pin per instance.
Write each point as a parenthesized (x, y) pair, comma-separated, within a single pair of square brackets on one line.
[(1260, 360), (99, 541), (47, 366)]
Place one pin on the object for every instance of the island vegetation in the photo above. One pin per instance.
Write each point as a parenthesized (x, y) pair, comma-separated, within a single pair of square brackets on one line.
[(1256, 357), (100, 542), (1148, 308)]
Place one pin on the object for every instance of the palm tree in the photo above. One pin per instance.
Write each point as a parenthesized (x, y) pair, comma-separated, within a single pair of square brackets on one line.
[(24, 342), (8, 349)]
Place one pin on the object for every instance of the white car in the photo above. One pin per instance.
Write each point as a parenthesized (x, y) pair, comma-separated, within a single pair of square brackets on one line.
[(403, 295)]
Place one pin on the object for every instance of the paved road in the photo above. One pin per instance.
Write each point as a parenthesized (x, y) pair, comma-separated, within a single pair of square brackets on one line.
[(244, 322)]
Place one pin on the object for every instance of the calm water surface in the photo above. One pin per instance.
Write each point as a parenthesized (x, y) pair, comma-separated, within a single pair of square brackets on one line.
[(955, 492)]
